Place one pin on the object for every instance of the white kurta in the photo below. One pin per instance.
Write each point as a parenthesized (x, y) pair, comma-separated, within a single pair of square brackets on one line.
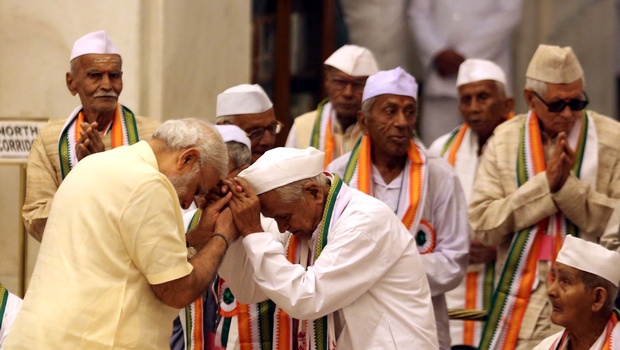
[(13, 304), (598, 345), (369, 275), (446, 211)]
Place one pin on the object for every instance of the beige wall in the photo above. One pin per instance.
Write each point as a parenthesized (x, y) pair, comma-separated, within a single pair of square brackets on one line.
[(177, 55)]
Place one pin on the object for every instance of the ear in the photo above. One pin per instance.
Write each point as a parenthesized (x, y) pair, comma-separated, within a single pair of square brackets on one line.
[(362, 121), (509, 106), (70, 83), (188, 158), (528, 95), (313, 191), (599, 297)]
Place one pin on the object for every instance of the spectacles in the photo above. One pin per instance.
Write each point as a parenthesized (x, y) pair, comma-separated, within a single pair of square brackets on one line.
[(340, 84), (558, 106), (258, 133)]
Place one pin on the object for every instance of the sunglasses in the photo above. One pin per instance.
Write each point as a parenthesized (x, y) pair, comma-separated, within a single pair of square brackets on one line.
[(558, 106)]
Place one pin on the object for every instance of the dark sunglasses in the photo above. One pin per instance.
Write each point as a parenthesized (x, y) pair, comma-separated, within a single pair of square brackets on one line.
[(558, 106)]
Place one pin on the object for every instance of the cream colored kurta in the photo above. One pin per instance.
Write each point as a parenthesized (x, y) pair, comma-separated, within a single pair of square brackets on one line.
[(44, 176), (115, 228), (498, 208)]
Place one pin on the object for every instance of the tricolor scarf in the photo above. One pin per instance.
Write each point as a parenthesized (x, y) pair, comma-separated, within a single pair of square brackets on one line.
[(124, 132), (4, 297), (358, 174), (479, 283), (612, 335), (322, 136), (316, 334), (520, 270)]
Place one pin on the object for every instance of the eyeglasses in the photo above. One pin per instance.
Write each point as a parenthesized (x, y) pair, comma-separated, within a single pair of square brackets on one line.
[(340, 84), (558, 106), (258, 133)]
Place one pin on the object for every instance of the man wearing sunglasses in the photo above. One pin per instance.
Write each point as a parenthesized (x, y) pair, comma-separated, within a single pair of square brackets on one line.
[(546, 174)]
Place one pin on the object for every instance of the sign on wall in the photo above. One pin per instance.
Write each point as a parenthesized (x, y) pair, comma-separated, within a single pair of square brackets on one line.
[(17, 135)]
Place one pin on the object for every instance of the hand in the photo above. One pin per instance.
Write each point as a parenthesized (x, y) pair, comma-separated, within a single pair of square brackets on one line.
[(481, 254), (245, 207), (560, 163), (90, 141), (199, 236), (224, 225), (447, 62)]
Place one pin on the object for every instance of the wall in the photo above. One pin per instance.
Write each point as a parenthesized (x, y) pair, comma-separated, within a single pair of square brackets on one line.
[(177, 55)]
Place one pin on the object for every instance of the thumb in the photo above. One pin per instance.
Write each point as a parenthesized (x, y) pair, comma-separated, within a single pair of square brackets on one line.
[(220, 203)]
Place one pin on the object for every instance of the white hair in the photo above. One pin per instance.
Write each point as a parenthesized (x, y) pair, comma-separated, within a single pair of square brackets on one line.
[(367, 106), (290, 192), (178, 134), (238, 153), (540, 87)]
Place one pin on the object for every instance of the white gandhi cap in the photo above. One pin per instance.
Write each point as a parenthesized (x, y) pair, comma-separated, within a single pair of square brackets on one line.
[(96, 42), (242, 99), (590, 257), (281, 166), (473, 70), (353, 60), (395, 82), (234, 133)]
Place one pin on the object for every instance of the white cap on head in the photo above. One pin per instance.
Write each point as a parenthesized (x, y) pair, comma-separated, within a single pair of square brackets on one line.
[(242, 99), (590, 257), (281, 166), (231, 132), (396, 82), (473, 70), (353, 60), (96, 42), (554, 65)]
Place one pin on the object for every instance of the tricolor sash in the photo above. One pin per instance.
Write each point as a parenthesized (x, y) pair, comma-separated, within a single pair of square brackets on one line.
[(4, 297), (612, 335), (316, 334), (358, 174), (519, 273), (322, 136), (123, 127)]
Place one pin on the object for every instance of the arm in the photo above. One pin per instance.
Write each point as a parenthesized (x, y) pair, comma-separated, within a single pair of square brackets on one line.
[(495, 211), (611, 236), (422, 26), (446, 264)]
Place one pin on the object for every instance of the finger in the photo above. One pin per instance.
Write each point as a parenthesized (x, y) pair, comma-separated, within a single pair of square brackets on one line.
[(236, 190), (246, 186), (220, 203)]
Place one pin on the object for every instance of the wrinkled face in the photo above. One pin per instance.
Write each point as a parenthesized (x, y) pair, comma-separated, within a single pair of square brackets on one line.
[(300, 217), (569, 297), (557, 122), (252, 124), (193, 184), (391, 124), (483, 106), (344, 92), (98, 80)]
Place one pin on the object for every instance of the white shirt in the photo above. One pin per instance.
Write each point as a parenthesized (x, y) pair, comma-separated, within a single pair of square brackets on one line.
[(13, 304)]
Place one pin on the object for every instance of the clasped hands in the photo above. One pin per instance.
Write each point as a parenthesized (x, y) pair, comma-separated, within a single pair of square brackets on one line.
[(89, 142), (560, 163)]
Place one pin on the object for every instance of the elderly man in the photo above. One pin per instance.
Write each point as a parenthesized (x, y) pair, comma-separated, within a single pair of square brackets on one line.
[(483, 105), (197, 323), (585, 280), (248, 107), (116, 280), (98, 124), (332, 127), (347, 276), (545, 174), (387, 163)]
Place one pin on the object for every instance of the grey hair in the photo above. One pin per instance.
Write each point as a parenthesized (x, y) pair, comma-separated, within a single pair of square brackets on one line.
[(178, 134), (539, 87), (290, 192), (367, 106), (591, 281), (225, 119), (238, 153)]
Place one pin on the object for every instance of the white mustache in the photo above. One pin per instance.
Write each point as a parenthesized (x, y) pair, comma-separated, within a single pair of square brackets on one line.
[(106, 94)]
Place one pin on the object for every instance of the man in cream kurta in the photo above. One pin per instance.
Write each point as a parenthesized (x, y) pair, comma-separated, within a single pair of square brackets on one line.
[(93, 52), (424, 192), (349, 262), (569, 172), (332, 127), (483, 105), (448, 32), (112, 270)]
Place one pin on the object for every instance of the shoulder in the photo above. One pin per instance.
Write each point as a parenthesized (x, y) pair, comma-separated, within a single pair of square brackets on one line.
[(437, 145), (607, 129), (305, 120), (510, 125), (339, 165), (372, 217)]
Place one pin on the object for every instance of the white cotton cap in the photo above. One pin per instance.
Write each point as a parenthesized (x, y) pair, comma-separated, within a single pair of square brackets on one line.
[(473, 70), (96, 42), (396, 82), (590, 257), (242, 99), (353, 60), (234, 133), (554, 65), (281, 166)]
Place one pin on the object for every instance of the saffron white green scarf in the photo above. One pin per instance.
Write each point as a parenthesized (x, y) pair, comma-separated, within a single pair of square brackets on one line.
[(322, 135), (612, 335)]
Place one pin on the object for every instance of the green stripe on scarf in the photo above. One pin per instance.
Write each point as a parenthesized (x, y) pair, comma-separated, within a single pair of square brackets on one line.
[(315, 139), (4, 297), (352, 164), (65, 155), (448, 143)]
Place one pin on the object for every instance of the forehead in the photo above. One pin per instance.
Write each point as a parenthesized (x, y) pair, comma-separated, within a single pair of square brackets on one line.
[(337, 73), (390, 99), (563, 91), (483, 86), (94, 61), (272, 206), (247, 122), (561, 269)]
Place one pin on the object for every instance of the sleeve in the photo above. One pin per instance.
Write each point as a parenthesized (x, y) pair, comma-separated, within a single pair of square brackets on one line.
[(447, 263), (493, 213), (41, 185), (611, 235), (291, 139), (350, 264), (422, 27), (153, 232)]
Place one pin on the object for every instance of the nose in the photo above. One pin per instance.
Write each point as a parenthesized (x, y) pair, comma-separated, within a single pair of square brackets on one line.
[(474, 105), (552, 290), (106, 83), (567, 112), (348, 89)]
